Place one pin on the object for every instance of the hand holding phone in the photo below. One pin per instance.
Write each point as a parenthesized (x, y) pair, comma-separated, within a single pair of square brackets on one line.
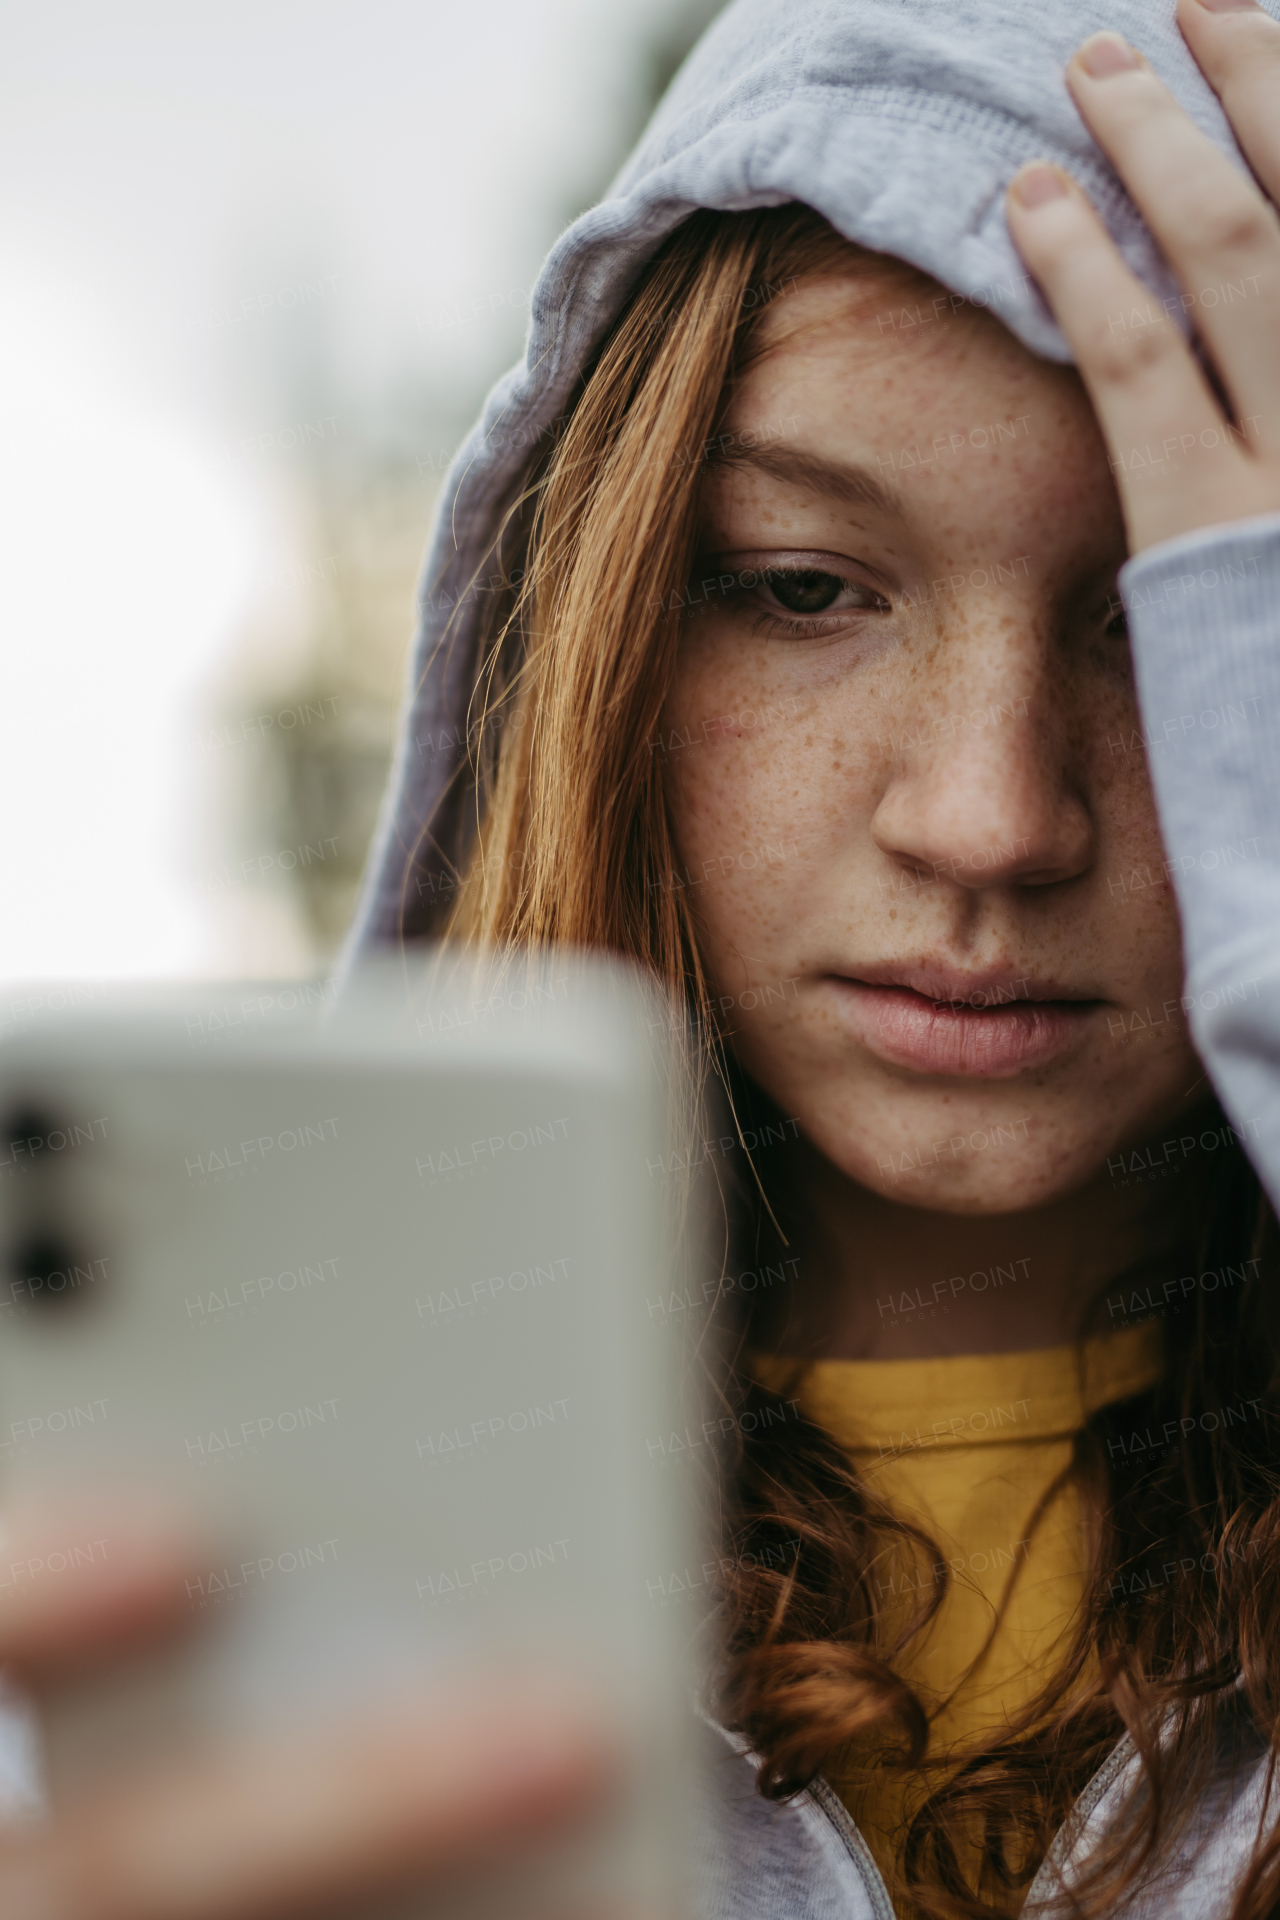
[(412, 1794)]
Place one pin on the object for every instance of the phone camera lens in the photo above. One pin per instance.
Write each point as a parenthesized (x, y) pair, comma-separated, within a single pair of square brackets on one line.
[(44, 1271), (28, 1129)]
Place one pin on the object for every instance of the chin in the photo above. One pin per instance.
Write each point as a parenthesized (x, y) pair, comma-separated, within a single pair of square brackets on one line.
[(970, 1192), (991, 1165)]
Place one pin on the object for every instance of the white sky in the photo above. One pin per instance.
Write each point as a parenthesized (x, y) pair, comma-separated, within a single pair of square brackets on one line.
[(160, 164)]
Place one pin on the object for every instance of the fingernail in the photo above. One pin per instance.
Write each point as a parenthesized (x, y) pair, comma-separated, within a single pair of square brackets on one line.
[(1229, 6), (1105, 54), (1038, 183)]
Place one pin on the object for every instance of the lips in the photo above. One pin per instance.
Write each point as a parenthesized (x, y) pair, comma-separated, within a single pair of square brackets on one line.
[(970, 1026)]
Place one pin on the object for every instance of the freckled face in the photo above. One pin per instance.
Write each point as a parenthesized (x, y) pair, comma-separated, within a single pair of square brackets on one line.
[(904, 762)]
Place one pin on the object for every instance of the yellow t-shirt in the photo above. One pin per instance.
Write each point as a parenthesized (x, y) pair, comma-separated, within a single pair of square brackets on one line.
[(967, 1446)]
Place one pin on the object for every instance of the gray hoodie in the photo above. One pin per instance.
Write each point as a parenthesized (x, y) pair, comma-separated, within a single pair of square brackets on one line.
[(902, 122)]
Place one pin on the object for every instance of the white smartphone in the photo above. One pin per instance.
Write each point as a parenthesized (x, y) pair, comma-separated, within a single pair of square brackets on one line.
[(372, 1285)]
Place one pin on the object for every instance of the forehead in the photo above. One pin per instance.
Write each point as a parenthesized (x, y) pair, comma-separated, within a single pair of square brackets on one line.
[(883, 372), (884, 317)]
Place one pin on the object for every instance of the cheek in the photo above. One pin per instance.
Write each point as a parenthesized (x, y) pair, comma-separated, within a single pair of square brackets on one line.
[(760, 795), (1132, 910)]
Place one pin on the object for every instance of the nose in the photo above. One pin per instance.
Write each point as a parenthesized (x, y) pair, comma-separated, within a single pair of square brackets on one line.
[(980, 789)]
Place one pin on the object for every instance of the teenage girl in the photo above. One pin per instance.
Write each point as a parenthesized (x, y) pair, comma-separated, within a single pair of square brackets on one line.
[(907, 701)]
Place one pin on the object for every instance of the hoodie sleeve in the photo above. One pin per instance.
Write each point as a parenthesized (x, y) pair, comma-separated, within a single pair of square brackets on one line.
[(1204, 625)]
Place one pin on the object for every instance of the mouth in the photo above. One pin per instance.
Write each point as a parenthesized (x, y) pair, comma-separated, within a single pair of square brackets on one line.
[(964, 1026)]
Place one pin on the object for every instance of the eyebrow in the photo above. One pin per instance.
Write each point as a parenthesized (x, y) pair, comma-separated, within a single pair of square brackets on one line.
[(856, 485)]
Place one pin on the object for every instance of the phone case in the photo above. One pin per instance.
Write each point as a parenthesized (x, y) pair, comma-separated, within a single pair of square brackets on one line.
[(377, 1293)]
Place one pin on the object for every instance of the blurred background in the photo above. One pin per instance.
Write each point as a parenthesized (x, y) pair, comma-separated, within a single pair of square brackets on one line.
[(260, 265)]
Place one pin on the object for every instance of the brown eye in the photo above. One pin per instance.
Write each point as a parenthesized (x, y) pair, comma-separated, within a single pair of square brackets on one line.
[(802, 590)]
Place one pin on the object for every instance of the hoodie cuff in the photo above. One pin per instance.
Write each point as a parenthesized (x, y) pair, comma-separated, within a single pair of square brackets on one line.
[(1204, 627)]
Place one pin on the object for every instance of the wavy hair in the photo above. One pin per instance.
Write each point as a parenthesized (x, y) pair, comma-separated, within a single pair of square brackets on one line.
[(573, 846)]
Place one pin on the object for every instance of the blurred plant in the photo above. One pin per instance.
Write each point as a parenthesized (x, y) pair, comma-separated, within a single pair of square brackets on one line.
[(292, 811), (299, 796)]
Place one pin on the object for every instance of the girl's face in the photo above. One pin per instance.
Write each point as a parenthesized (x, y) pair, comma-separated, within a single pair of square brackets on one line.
[(905, 763)]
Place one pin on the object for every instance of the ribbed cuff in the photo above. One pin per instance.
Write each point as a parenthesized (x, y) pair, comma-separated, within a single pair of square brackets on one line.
[(1204, 624)]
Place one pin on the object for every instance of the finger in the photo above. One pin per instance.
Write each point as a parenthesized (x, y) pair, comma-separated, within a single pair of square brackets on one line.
[(417, 1796), (80, 1580), (1237, 48), (1214, 227), (1177, 463)]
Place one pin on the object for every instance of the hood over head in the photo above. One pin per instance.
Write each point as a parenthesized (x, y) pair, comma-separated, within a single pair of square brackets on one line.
[(902, 122)]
